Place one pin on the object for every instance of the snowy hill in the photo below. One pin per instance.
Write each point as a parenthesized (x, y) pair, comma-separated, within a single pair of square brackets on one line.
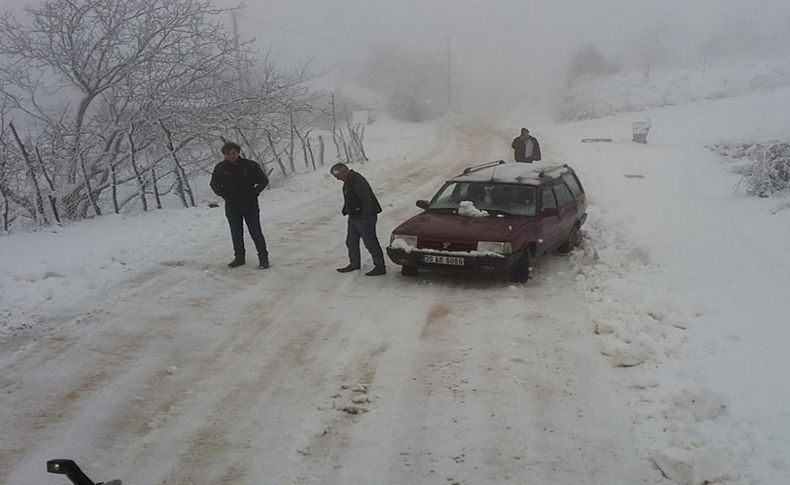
[(598, 96)]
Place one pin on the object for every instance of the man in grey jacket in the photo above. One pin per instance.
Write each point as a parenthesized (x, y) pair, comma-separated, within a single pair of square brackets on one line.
[(362, 208), (526, 147)]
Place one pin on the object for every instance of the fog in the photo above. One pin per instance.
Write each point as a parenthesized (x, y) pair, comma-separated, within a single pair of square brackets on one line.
[(510, 52), (499, 54)]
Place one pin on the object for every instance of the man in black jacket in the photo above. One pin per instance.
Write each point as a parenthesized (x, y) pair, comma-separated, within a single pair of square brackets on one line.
[(362, 209), (239, 181), (525, 147)]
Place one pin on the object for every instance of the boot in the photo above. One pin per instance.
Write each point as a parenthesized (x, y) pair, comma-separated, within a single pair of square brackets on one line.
[(237, 261), (347, 269), (263, 262), (377, 271)]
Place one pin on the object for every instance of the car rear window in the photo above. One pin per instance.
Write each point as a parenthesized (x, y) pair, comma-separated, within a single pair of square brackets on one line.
[(511, 199), (563, 194), (548, 198), (573, 184)]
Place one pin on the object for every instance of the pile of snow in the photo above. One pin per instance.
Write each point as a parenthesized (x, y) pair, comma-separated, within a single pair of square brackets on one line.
[(691, 435), (467, 208)]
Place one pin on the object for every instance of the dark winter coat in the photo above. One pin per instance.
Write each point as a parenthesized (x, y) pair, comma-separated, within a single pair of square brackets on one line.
[(360, 201), (239, 183), (520, 147)]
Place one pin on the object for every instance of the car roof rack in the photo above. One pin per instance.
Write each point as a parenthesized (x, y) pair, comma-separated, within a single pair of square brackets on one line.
[(546, 170), (483, 166)]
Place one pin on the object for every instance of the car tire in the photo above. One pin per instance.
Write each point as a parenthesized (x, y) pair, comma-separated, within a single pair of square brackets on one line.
[(519, 272), (573, 241), (408, 270)]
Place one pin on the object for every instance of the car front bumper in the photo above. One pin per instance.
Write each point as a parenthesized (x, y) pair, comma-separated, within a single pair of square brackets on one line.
[(471, 262)]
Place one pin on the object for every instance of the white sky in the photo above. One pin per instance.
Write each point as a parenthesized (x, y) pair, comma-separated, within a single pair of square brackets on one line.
[(511, 47), (501, 49)]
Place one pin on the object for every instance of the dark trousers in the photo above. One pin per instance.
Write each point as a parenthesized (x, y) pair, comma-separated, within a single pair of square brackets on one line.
[(365, 230), (250, 214)]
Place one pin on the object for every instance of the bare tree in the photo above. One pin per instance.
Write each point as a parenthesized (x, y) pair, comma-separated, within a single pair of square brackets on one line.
[(143, 83), (92, 48)]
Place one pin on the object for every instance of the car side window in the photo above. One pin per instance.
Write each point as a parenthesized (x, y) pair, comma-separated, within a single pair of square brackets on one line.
[(547, 196), (563, 194), (573, 184)]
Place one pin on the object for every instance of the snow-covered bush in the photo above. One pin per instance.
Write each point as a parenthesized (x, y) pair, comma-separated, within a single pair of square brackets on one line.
[(767, 167)]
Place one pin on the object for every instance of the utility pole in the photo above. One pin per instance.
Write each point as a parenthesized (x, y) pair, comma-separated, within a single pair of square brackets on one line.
[(237, 51), (449, 81)]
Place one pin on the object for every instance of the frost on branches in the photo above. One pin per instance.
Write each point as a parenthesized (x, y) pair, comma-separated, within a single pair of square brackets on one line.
[(766, 167), (117, 105)]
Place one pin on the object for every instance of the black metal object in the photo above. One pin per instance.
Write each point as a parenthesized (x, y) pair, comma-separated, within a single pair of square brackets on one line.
[(73, 473), (483, 166), (71, 470)]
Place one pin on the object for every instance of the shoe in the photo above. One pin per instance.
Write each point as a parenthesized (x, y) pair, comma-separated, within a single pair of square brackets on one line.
[(347, 269), (377, 271), (263, 264), (236, 262)]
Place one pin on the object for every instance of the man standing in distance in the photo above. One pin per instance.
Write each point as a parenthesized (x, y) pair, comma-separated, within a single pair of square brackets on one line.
[(525, 147), (362, 209), (239, 181)]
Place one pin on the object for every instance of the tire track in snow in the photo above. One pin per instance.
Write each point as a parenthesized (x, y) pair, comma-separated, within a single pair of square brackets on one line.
[(115, 348), (318, 226), (237, 378), (458, 365)]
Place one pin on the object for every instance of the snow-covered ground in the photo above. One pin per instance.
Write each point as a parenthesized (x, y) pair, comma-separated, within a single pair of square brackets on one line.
[(629, 91), (655, 354), (690, 279)]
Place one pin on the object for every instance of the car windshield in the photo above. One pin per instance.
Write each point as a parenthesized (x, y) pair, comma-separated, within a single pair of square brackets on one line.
[(499, 198)]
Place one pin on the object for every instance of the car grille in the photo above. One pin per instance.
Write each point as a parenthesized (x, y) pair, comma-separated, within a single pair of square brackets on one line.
[(443, 246)]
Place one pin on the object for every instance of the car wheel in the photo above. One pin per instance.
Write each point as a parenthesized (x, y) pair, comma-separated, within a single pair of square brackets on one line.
[(573, 241), (519, 273), (408, 270)]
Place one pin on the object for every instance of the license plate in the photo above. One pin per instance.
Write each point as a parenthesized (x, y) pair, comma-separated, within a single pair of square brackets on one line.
[(453, 261)]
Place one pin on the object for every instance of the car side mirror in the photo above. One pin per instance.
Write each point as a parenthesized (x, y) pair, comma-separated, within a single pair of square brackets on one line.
[(423, 204), (550, 212)]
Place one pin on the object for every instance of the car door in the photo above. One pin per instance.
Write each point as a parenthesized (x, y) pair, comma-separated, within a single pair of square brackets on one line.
[(568, 207), (552, 224), (573, 183)]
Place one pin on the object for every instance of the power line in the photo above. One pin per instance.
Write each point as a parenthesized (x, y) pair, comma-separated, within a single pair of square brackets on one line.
[(330, 39)]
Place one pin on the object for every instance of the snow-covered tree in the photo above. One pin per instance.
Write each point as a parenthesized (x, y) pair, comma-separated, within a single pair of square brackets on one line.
[(117, 99), (589, 60)]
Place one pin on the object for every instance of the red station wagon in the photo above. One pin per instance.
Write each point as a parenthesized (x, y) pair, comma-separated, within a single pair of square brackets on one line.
[(493, 217)]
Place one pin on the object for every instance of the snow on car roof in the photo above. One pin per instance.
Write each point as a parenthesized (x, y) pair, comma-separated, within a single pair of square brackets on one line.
[(517, 173)]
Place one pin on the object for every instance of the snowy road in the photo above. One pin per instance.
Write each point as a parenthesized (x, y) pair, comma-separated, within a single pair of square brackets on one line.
[(188, 372)]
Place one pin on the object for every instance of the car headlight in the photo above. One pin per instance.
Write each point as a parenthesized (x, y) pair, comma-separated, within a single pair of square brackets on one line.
[(401, 241), (503, 248)]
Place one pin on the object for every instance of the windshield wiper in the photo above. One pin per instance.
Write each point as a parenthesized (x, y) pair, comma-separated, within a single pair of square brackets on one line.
[(452, 209), (500, 212)]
